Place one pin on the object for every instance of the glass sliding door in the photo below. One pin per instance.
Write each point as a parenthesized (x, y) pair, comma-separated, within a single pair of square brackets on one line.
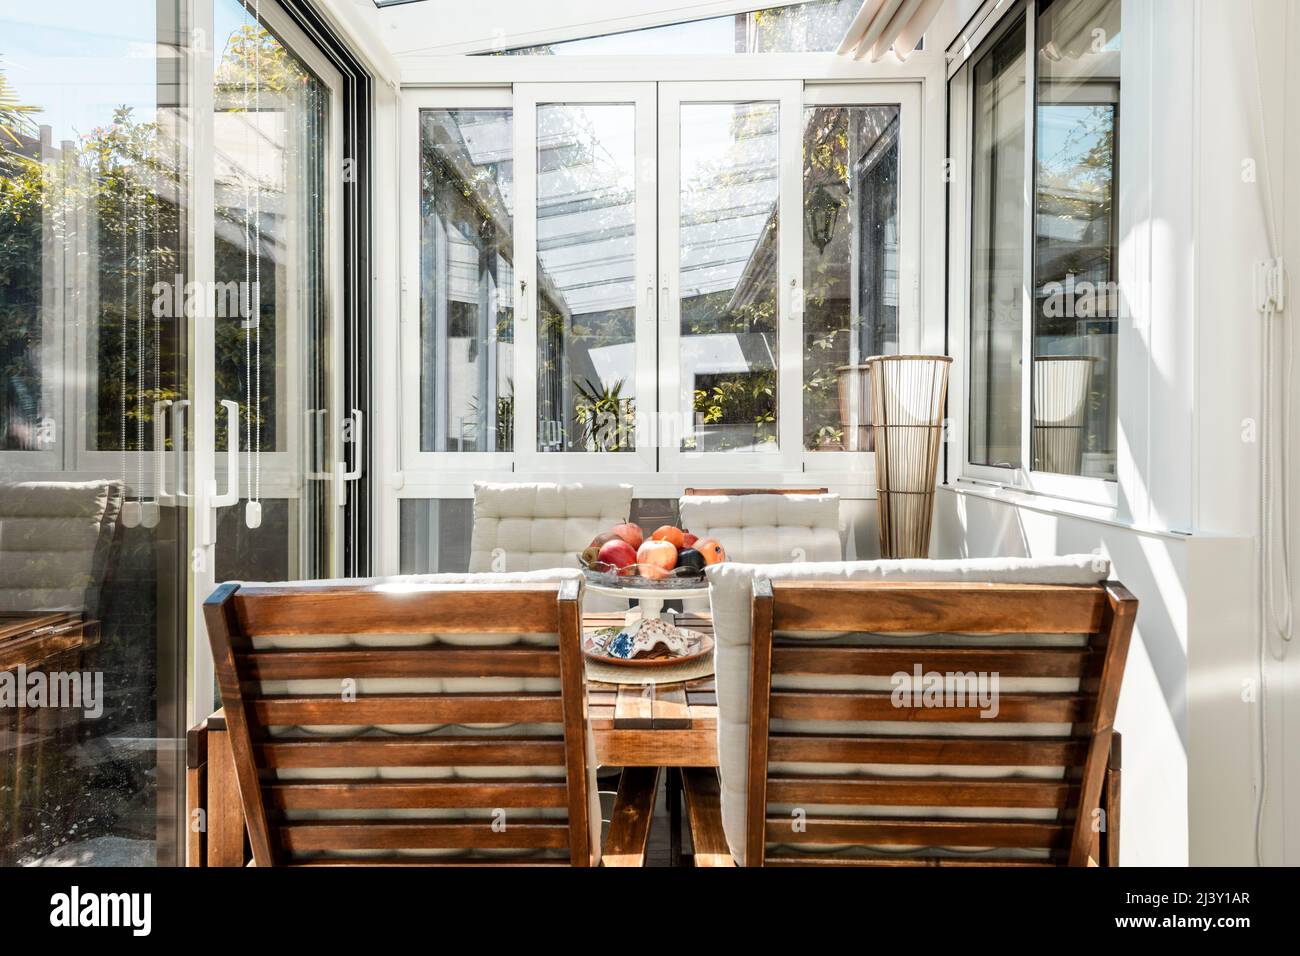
[(96, 204), (586, 275), (277, 356), (730, 290)]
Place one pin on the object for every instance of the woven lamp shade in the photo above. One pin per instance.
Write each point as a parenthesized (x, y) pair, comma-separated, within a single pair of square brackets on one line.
[(908, 394)]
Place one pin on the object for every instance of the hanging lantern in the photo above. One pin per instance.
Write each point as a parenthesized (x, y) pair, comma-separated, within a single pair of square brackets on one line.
[(823, 211)]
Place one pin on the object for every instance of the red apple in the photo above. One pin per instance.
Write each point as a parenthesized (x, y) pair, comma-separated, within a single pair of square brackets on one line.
[(658, 554), (617, 553), (688, 540), (629, 532)]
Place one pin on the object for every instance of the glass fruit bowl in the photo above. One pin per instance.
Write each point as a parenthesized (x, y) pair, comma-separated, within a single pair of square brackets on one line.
[(609, 576)]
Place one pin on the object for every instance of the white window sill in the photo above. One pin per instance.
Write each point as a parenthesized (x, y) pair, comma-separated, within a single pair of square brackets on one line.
[(1062, 507)]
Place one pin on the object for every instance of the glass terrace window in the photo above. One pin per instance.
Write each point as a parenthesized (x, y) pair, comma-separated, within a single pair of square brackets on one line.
[(997, 251), (730, 165), (466, 274), (586, 253), (813, 27), (850, 265), (1043, 298), (1075, 299)]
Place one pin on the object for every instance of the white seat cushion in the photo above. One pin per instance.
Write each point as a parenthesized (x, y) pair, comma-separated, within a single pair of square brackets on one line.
[(528, 527), (767, 529), (55, 542), (731, 594)]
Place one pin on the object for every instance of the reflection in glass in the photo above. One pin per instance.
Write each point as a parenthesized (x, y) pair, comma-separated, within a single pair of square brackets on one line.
[(1075, 295), (586, 291), (729, 256), (466, 279), (94, 202), (274, 354), (816, 26), (997, 251), (850, 266)]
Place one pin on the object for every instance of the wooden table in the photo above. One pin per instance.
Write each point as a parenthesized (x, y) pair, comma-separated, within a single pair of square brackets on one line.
[(28, 638), (654, 725), (652, 728), (38, 744)]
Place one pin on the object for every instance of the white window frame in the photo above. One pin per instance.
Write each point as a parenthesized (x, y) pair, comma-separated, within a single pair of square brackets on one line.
[(490, 82), (787, 95), (528, 460), (830, 465), (414, 461), (284, 465), (1101, 492)]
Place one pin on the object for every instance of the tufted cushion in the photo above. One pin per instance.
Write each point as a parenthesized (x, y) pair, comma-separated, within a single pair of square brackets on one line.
[(55, 542), (762, 529), (426, 686), (528, 527), (731, 597)]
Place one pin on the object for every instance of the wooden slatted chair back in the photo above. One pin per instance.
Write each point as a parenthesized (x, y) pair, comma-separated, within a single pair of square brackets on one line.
[(321, 777), (898, 780)]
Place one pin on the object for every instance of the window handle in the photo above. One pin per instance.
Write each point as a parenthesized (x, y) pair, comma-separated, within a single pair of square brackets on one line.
[(523, 300), (796, 299), (663, 313)]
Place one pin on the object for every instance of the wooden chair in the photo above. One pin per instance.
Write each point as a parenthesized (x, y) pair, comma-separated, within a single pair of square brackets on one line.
[(400, 817), (1041, 817)]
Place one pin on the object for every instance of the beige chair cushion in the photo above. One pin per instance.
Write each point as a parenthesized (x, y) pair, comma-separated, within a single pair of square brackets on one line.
[(730, 594), (767, 529), (430, 686), (528, 527), (55, 543)]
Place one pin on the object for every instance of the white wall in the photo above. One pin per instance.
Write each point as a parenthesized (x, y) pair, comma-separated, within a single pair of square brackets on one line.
[(1183, 535)]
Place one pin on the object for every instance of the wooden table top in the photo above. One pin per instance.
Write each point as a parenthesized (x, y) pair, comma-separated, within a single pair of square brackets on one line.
[(654, 725)]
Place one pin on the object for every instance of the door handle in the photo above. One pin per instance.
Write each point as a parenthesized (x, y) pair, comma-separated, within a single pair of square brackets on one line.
[(523, 300), (178, 441), (161, 499), (663, 312), (231, 495), (213, 499), (342, 473)]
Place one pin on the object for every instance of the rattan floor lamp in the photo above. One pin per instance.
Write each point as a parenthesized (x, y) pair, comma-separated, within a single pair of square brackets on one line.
[(908, 393)]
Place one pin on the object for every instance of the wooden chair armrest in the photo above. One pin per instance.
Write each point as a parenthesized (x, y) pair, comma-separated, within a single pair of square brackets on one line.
[(629, 826), (704, 813)]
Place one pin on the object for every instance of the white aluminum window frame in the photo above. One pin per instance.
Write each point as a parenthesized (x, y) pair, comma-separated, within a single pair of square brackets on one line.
[(803, 80), (209, 477), (830, 465), (787, 95), (415, 461), (1101, 492), (528, 459)]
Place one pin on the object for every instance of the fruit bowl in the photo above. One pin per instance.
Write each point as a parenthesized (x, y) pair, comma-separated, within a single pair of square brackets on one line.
[(670, 559), (607, 575)]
